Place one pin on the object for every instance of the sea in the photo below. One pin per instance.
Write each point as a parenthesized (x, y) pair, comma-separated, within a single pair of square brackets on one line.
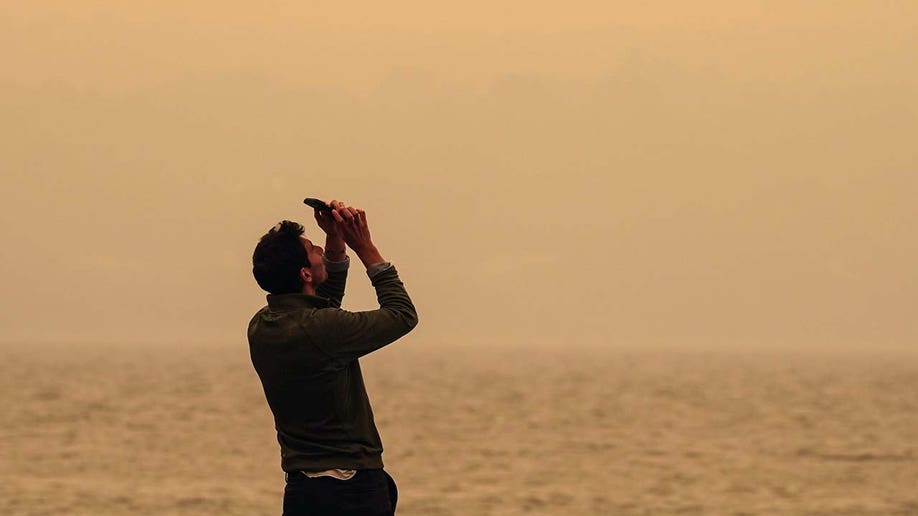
[(472, 430)]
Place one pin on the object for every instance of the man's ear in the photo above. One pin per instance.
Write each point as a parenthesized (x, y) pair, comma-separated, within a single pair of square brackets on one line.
[(305, 275)]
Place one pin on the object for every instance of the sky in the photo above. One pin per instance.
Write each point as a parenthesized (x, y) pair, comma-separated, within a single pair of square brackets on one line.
[(679, 175)]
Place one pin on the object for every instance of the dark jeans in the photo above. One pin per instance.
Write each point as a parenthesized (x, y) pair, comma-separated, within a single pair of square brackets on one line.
[(371, 492)]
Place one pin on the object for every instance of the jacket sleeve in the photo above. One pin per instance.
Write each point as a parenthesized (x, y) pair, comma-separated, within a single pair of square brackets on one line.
[(333, 287), (349, 335)]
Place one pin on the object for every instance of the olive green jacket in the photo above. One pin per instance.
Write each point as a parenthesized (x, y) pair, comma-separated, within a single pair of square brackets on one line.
[(305, 350)]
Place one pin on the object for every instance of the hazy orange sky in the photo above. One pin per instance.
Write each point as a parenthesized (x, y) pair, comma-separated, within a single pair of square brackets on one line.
[(684, 174)]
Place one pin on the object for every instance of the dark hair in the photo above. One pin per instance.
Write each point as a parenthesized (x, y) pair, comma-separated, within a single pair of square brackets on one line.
[(278, 258)]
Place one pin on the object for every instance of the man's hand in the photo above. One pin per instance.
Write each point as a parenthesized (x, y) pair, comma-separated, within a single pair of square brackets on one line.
[(353, 228), (327, 221)]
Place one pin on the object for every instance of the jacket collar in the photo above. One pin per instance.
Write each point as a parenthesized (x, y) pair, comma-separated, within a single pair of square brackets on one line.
[(296, 301)]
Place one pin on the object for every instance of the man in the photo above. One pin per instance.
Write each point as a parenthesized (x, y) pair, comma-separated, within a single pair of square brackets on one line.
[(305, 349)]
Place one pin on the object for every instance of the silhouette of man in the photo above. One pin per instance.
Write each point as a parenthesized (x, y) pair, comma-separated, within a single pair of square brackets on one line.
[(305, 349)]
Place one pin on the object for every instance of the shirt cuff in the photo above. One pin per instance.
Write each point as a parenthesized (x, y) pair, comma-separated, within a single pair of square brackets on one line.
[(376, 268), (331, 266)]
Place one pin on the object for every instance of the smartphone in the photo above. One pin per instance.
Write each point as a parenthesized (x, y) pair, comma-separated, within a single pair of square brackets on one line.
[(317, 204)]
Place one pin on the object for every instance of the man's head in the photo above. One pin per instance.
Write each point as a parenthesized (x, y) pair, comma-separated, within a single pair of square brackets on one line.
[(286, 262)]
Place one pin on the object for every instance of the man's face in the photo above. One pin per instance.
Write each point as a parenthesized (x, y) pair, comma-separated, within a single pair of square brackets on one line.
[(315, 254)]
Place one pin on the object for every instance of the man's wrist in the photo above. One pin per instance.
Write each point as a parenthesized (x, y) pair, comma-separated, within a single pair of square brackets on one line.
[(335, 255), (334, 242), (369, 255)]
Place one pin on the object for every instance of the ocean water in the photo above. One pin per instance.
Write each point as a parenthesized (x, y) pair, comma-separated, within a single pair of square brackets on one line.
[(115, 431)]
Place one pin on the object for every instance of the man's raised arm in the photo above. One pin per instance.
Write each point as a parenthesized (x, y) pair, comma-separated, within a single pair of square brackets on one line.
[(336, 259), (354, 334)]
